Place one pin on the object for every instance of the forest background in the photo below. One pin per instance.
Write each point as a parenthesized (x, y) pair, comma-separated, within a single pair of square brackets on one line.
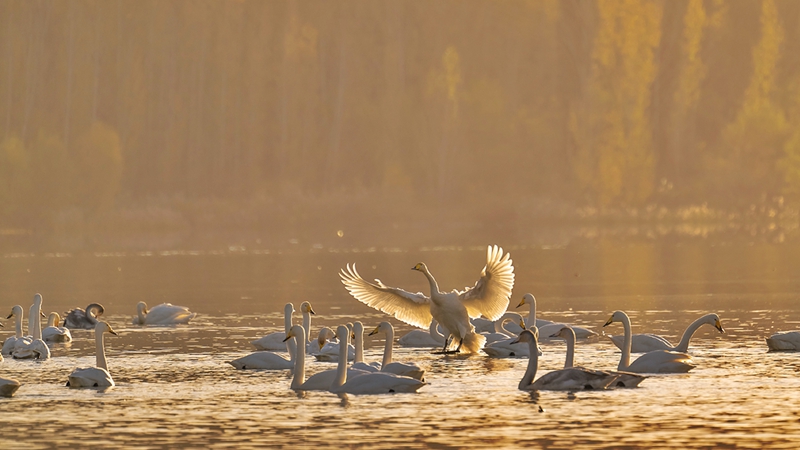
[(379, 119)]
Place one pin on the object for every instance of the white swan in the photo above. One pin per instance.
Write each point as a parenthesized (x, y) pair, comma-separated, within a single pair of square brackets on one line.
[(324, 337), (548, 328), (55, 333), (511, 347), (330, 351), (489, 297), (358, 361), (657, 361), (95, 376), (11, 342), (622, 379), (368, 383), (786, 341), (36, 348), (570, 379), (277, 340), (264, 360), (408, 369), (642, 343), (500, 331), (320, 381), (419, 338), (163, 314), (80, 319), (8, 386)]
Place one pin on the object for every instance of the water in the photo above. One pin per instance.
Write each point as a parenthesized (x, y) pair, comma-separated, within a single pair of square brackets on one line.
[(174, 387)]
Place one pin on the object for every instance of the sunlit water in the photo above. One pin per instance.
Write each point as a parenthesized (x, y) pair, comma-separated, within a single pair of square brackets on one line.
[(174, 387)]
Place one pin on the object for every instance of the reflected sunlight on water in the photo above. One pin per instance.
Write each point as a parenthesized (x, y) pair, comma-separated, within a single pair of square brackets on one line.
[(174, 387)]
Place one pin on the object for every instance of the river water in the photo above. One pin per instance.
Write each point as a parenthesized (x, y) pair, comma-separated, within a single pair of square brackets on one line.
[(175, 389)]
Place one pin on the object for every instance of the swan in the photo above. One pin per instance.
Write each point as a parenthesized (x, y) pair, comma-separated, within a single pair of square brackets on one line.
[(330, 351), (277, 340), (548, 328), (8, 386), (36, 348), (786, 341), (570, 379), (55, 333), (358, 361), (622, 379), (512, 347), (500, 331), (86, 320), (95, 376), (412, 369), (657, 361), (324, 337), (320, 381), (11, 342), (642, 343), (419, 338), (489, 297), (368, 383), (163, 314), (263, 359)]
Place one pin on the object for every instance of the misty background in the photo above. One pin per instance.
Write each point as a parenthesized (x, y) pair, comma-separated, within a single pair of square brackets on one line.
[(131, 124)]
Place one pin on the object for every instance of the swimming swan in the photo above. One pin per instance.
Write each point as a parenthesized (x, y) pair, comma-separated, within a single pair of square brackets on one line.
[(408, 369), (419, 338), (622, 379), (358, 361), (323, 338), (511, 347), (8, 386), (657, 361), (642, 343), (489, 297), (264, 360), (163, 314), (500, 331), (35, 348), (320, 381), (786, 341), (570, 379), (368, 383), (330, 351), (86, 320), (11, 342), (95, 376), (277, 340), (548, 328), (55, 333)]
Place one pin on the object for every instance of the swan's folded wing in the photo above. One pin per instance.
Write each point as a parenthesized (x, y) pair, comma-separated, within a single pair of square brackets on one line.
[(413, 309), (489, 297)]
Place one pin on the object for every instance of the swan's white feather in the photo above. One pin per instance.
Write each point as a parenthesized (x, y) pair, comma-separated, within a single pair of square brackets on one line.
[(489, 297), (262, 360), (90, 377), (786, 341)]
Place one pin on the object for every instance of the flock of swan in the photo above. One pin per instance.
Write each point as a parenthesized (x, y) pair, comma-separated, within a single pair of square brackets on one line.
[(471, 320)]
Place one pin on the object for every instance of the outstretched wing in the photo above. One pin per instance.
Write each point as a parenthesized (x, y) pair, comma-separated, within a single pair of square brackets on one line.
[(489, 297), (413, 309)]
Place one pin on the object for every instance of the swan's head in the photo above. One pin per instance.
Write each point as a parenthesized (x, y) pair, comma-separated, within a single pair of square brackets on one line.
[(297, 331), (342, 333), (141, 307), (324, 334), (104, 327), (96, 309), (358, 328), (527, 299), (421, 267), (565, 332), (54, 320), (618, 316), (16, 311), (288, 309), (382, 327), (37, 298), (713, 319), (306, 308), (525, 336)]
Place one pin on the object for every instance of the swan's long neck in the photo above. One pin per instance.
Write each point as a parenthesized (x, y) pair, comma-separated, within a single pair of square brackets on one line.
[(139, 312), (570, 361), (359, 332), (387, 347), (533, 364), (291, 344), (18, 324), (625, 360), (35, 324), (434, 331), (299, 365), (306, 327), (101, 350), (341, 368), (683, 345), (432, 281), (500, 325), (531, 322)]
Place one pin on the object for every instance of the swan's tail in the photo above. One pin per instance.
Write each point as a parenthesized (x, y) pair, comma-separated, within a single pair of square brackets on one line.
[(473, 342)]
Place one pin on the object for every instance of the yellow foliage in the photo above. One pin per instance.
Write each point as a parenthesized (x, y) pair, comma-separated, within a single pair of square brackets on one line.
[(693, 70)]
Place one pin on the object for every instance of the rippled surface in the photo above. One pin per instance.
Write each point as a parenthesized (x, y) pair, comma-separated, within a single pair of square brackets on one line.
[(174, 387)]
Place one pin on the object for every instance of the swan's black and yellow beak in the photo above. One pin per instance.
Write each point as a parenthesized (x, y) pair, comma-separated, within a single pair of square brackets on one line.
[(42, 313), (113, 332), (311, 311), (288, 336), (522, 324), (718, 325), (10, 316), (609, 321), (522, 302), (375, 331), (1, 325)]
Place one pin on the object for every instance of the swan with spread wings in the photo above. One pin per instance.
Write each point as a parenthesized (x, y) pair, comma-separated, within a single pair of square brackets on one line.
[(489, 297)]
